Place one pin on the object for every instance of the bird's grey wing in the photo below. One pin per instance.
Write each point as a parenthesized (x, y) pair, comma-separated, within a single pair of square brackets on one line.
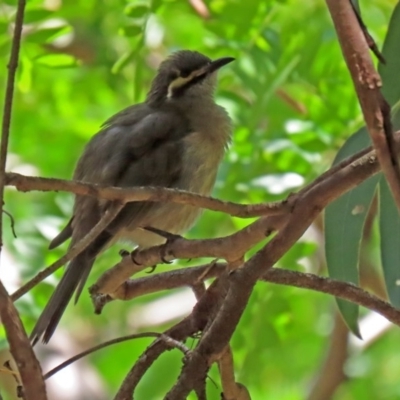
[(146, 153), (149, 153)]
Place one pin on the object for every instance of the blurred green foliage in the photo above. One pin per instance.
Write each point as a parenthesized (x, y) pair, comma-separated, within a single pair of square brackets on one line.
[(293, 105)]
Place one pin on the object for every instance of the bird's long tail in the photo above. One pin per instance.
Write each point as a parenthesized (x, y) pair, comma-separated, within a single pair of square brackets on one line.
[(74, 277)]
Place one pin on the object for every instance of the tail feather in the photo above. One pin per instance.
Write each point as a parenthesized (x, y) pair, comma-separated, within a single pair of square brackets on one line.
[(75, 274), (64, 235)]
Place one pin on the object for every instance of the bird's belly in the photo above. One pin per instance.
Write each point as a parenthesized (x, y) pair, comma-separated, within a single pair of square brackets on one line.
[(172, 218)]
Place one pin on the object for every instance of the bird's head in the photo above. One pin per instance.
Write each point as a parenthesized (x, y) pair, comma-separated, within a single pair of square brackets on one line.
[(186, 74)]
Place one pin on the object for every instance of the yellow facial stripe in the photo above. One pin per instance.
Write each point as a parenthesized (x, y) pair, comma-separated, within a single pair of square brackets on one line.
[(180, 81)]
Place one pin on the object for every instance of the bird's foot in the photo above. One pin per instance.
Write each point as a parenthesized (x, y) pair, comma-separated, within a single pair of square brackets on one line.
[(170, 238), (125, 253)]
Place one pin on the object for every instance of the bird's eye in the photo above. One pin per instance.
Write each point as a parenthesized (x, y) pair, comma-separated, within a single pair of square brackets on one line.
[(185, 73), (172, 75)]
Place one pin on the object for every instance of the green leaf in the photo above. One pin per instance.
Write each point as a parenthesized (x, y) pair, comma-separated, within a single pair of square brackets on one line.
[(47, 34), (344, 230), (390, 71), (389, 227), (25, 74), (36, 15), (344, 223), (136, 11), (5, 48), (57, 61), (3, 27), (131, 30)]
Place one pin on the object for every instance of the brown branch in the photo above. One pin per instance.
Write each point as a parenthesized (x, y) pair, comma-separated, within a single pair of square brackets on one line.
[(196, 322), (27, 364), (189, 276), (344, 290), (75, 250), (30, 183), (233, 247), (367, 83), (242, 281), (231, 390), (200, 8), (179, 332), (8, 103), (20, 347), (331, 374)]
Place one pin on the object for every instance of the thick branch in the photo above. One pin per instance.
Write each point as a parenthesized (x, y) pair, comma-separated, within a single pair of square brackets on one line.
[(28, 366), (242, 281), (169, 341), (234, 246), (187, 277), (367, 83), (20, 347)]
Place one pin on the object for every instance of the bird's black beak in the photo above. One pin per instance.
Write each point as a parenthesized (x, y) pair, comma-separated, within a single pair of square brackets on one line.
[(213, 66), (218, 63)]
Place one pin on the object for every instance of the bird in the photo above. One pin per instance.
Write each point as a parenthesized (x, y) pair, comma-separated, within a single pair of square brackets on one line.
[(176, 138)]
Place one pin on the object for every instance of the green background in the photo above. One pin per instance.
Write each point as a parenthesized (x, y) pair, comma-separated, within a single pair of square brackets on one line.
[(293, 106)]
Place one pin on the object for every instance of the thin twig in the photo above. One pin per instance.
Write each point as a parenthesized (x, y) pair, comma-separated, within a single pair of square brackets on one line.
[(189, 276), (344, 290), (8, 103), (75, 250), (370, 40), (179, 332), (27, 364), (226, 369), (201, 8), (169, 341), (30, 183), (12, 223)]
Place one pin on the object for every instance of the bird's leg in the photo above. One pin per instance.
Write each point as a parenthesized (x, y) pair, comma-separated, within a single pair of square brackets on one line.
[(124, 253), (170, 238)]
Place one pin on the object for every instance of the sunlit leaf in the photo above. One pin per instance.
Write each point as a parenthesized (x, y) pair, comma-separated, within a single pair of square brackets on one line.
[(56, 61), (47, 34), (122, 61)]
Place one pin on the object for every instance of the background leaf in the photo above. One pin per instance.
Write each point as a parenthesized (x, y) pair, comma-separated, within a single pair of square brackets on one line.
[(344, 223)]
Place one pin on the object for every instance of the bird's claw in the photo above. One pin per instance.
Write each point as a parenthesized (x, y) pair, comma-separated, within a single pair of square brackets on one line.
[(133, 257), (170, 237), (152, 269)]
